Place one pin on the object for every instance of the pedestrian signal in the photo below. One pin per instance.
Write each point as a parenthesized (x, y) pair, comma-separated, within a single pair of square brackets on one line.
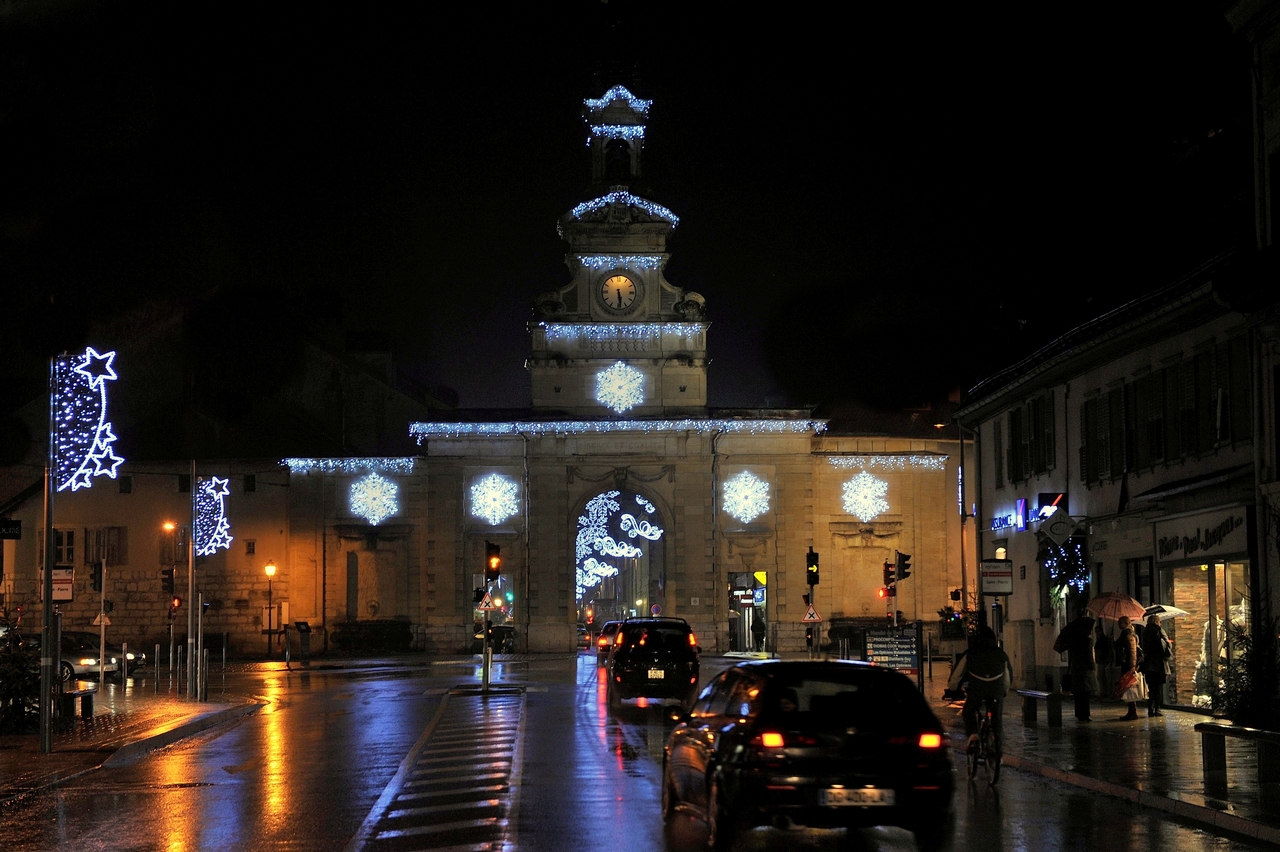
[(166, 580)]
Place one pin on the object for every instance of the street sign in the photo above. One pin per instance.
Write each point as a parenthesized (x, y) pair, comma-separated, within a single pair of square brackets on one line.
[(896, 648), (487, 603), (1059, 527), (10, 528), (101, 619), (811, 615), (997, 576), (62, 578)]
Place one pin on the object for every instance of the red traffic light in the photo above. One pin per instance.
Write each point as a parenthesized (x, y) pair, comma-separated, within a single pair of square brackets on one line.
[(176, 602)]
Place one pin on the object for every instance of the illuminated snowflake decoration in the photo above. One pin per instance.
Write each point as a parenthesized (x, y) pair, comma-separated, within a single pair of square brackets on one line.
[(494, 499), (374, 498), (864, 496), (212, 529), (746, 497), (596, 540), (82, 434), (620, 387)]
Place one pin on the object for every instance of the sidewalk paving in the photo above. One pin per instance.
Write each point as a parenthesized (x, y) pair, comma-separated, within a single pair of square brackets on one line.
[(1154, 762)]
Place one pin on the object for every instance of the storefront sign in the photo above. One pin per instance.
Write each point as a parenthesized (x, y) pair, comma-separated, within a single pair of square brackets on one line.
[(1201, 536)]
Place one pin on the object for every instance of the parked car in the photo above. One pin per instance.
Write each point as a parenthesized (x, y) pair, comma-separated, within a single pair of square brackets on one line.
[(90, 639), (604, 642), (77, 660), (503, 640), (653, 658), (816, 744), (584, 637)]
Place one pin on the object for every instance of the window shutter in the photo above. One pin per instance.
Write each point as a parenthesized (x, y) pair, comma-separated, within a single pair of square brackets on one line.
[(1050, 448), (999, 453)]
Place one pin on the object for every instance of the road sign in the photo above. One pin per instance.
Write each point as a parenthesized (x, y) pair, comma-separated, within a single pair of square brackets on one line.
[(1059, 527), (811, 615), (487, 603), (101, 619), (997, 576)]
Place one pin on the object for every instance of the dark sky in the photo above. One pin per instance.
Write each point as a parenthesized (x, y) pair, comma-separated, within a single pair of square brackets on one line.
[(882, 205)]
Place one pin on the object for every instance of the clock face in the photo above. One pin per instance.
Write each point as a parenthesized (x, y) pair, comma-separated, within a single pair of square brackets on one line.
[(618, 292)]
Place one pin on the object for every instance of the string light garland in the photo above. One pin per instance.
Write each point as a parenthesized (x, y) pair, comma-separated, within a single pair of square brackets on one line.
[(889, 462), (864, 497), (621, 261), (746, 497), (596, 539), (1065, 563), (494, 498), (355, 465), (620, 93), (616, 131), (374, 498), (421, 431), (82, 434), (212, 529), (645, 504), (643, 331), (621, 196), (620, 387)]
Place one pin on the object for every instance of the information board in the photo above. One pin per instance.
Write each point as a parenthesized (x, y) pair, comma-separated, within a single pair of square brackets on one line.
[(893, 647), (997, 576)]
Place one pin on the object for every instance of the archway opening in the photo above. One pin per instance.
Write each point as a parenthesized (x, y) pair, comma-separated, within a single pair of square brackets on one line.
[(618, 567)]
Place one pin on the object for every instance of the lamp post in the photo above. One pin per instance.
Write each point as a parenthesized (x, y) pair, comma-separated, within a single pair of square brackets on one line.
[(271, 611)]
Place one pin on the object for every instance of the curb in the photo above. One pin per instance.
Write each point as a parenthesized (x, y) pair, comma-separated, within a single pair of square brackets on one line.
[(137, 748)]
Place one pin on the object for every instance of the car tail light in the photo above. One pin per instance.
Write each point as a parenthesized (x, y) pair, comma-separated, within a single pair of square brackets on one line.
[(930, 740), (693, 640), (770, 739), (777, 739)]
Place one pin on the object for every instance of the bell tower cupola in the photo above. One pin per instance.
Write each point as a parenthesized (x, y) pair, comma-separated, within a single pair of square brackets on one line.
[(615, 135)]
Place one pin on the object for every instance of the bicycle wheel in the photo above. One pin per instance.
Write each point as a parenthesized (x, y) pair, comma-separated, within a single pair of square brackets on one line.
[(975, 754), (991, 754)]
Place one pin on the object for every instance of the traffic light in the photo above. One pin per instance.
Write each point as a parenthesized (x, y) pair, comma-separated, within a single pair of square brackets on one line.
[(806, 599), (95, 576), (478, 595), (904, 565), (888, 574), (887, 592), (811, 567), (166, 579), (174, 603), (492, 561), (808, 637)]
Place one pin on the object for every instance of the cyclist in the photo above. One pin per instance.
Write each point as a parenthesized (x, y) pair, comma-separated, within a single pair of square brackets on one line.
[(989, 674)]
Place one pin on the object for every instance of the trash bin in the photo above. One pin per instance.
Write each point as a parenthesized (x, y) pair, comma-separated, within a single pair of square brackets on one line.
[(304, 642)]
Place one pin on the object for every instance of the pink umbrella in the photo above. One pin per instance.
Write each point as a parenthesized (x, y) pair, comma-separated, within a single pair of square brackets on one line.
[(1114, 605)]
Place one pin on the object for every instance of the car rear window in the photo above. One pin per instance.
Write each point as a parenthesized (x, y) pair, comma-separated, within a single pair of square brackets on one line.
[(656, 637), (858, 699)]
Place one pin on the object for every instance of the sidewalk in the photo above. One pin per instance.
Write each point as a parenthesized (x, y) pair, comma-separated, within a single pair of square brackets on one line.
[(1154, 762)]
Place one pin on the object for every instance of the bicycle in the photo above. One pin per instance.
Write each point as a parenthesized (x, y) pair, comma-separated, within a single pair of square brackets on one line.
[(986, 752)]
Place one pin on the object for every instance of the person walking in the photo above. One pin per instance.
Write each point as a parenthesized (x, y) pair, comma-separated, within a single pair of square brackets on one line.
[(1127, 654), (1156, 652), (758, 631), (1077, 639)]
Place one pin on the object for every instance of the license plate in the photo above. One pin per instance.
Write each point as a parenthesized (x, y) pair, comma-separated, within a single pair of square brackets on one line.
[(858, 796), (657, 674)]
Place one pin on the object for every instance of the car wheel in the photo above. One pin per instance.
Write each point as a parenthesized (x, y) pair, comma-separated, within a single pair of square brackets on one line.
[(66, 673)]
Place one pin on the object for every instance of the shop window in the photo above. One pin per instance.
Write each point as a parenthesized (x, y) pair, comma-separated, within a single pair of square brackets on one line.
[(1141, 579)]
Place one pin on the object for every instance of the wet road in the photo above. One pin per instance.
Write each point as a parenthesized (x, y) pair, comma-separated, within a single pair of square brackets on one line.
[(396, 760)]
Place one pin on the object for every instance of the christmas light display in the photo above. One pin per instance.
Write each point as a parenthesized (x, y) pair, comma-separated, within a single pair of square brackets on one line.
[(374, 498), (596, 538), (616, 131), (620, 387), (620, 261), (82, 433), (364, 465), (621, 196), (619, 93), (645, 504), (746, 497), (494, 498), (1066, 563), (864, 496), (212, 529), (707, 426), (638, 331), (889, 462)]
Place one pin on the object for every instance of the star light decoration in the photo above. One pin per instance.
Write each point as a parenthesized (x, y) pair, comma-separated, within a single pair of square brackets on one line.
[(746, 497), (594, 538), (82, 434), (212, 529), (620, 387), (374, 498), (494, 498), (864, 496)]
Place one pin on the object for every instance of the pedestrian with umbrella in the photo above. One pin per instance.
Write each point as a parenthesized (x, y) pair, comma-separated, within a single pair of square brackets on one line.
[(1127, 652), (1156, 652), (1076, 639)]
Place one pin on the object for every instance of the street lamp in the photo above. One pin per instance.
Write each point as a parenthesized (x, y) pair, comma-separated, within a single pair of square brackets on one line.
[(271, 572)]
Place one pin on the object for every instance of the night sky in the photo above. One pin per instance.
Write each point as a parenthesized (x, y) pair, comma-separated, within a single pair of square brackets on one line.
[(879, 205)]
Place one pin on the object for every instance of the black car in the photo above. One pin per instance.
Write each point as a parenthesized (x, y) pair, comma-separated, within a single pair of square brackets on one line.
[(604, 642), (817, 744), (653, 658)]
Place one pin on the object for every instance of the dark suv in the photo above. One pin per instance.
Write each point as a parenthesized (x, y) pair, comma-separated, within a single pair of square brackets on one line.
[(653, 658)]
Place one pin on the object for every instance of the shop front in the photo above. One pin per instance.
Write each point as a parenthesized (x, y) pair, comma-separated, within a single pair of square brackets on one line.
[(1202, 565)]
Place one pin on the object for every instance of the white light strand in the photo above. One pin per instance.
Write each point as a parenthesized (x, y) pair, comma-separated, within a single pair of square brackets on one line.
[(494, 498), (864, 496), (746, 497), (621, 330), (82, 434), (594, 538), (642, 528), (616, 131), (619, 93), (374, 498), (422, 431), (620, 261), (889, 462), (621, 196), (358, 465), (620, 387), (212, 529), (645, 504)]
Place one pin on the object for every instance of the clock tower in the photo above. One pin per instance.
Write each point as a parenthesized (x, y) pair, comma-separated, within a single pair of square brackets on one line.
[(618, 340)]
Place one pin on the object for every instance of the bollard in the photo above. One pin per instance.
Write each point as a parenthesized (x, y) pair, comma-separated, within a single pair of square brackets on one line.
[(157, 664)]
